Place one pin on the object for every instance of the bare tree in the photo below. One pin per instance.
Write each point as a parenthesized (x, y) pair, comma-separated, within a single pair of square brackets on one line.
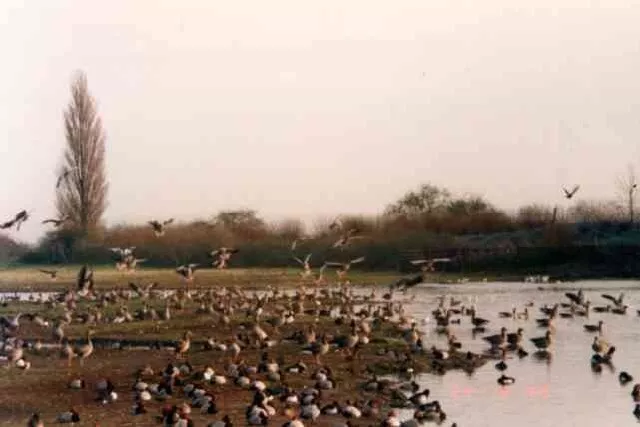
[(82, 193), (627, 185)]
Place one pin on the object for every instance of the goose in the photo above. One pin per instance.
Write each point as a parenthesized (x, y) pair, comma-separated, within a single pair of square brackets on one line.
[(428, 265), (508, 314), (542, 343), (85, 350), (158, 227), (17, 220), (498, 340), (505, 380), (636, 411), (184, 344), (635, 393), (343, 267), (223, 256), (620, 310), (187, 271), (347, 238), (305, 265), (53, 274), (56, 222), (594, 328), (616, 301)]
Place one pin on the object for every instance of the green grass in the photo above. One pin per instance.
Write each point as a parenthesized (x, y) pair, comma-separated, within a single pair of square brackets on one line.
[(30, 279)]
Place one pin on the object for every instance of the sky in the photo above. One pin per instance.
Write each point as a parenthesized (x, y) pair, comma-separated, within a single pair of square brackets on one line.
[(312, 108)]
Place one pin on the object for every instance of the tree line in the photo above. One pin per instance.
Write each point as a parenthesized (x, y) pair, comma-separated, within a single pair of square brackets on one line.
[(427, 220)]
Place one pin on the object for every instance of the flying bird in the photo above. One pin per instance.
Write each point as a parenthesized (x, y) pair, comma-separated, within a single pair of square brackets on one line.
[(158, 227), (17, 220), (56, 222), (187, 271), (346, 238), (223, 256), (305, 265), (51, 273), (405, 283), (570, 194), (428, 265), (85, 280), (343, 267)]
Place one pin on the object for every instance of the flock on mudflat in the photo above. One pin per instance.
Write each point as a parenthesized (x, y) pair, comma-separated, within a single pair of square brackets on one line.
[(280, 318)]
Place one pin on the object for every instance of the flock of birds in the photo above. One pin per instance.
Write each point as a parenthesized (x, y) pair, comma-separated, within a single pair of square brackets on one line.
[(267, 317)]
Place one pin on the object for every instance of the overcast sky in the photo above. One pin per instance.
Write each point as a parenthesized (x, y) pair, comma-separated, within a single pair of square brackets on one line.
[(307, 108)]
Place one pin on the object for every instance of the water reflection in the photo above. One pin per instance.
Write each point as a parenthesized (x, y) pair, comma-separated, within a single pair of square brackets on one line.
[(557, 387)]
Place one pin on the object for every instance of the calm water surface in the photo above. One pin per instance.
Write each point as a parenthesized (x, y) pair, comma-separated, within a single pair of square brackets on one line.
[(564, 392)]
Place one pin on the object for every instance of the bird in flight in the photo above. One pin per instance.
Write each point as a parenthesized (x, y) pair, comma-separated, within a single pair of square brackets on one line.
[(306, 267), (51, 273), (343, 267), (158, 227), (187, 271), (428, 265), (56, 222), (85, 280), (569, 194), (17, 220), (222, 255)]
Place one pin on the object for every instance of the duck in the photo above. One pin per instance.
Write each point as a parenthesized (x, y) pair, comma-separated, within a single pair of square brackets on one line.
[(505, 380), (71, 416), (624, 378)]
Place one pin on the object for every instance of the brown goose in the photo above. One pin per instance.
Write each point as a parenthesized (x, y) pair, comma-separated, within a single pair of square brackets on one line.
[(86, 350)]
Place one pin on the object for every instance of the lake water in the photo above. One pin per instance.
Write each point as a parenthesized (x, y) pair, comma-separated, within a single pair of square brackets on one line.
[(564, 392)]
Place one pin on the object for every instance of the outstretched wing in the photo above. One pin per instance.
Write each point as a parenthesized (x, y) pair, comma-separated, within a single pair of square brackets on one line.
[(333, 264), (298, 260), (609, 297), (169, 221), (357, 260)]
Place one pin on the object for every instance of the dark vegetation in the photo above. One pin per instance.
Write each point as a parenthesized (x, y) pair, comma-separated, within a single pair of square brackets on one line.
[(586, 239)]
